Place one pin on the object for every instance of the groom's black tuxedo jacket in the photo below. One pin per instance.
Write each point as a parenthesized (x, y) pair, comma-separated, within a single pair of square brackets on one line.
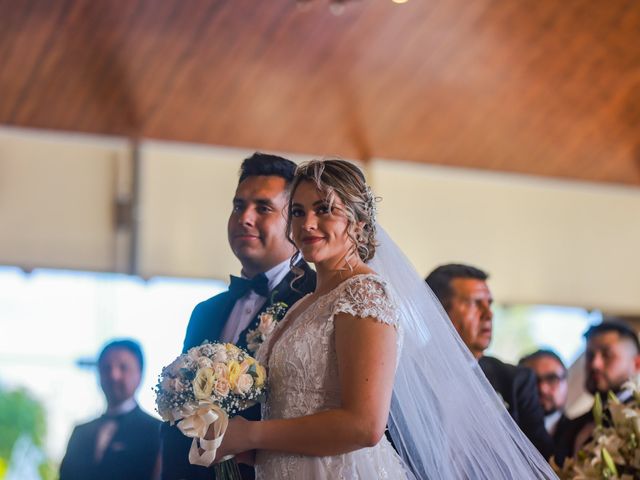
[(518, 389), (132, 453), (207, 322)]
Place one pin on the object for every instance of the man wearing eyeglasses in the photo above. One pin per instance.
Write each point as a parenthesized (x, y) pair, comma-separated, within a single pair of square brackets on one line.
[(551, 377)]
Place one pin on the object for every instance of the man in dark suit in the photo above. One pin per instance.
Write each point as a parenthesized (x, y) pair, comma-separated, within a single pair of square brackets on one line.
[(612, 357), (465, 296), (551, 376), (257, 236), (124, 443)]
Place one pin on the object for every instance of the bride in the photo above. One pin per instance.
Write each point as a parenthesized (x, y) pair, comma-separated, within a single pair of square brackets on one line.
[(371, 347)]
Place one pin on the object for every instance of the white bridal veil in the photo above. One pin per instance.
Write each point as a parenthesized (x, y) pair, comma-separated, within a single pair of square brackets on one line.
[(446, 420)]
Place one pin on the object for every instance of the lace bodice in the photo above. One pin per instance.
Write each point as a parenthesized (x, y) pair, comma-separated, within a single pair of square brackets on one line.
[(303, 365)]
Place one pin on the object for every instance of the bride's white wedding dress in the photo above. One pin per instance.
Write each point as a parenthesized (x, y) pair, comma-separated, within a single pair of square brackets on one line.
[(303, 380)]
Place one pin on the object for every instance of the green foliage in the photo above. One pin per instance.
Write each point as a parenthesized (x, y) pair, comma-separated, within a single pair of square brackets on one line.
[(20, 414), (48, 470)]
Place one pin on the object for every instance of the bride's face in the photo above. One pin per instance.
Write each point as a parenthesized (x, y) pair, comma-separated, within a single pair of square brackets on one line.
[(318, 230)]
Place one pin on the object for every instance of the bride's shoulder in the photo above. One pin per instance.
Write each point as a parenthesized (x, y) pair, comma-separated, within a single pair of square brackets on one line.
[(366, 295), (366, 281)]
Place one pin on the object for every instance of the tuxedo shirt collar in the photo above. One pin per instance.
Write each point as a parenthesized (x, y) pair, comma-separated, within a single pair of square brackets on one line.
[(122, 409), (276, 274), (247, 307)]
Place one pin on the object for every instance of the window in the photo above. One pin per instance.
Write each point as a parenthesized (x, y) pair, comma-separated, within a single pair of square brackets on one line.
[(54, 323)]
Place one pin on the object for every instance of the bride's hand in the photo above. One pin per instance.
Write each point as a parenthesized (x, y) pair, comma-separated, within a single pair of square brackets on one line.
[(234, 441)]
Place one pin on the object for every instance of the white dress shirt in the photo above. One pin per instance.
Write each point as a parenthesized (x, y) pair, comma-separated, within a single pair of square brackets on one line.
[(108, 428), (551, 421), (249, 305)]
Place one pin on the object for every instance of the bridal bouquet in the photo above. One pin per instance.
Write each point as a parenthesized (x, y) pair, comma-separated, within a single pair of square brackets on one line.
[(203, 387), (614, 451)]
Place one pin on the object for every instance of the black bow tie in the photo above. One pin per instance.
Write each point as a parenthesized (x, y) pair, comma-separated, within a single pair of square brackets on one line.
[(240, 286)]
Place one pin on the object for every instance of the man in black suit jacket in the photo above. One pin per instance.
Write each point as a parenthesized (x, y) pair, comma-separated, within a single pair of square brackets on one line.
[(612, 357), (551, 376), (124, 443), (257, 236), (465, 296)]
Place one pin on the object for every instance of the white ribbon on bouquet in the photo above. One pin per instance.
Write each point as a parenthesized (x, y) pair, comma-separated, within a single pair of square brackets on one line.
[(196, 423)]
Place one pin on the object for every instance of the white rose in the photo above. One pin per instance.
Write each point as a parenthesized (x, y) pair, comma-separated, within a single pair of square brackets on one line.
[(204, 362), (220, 356), (244, 384), (267, 324), (189, 363), (208, 349), (193, 354)]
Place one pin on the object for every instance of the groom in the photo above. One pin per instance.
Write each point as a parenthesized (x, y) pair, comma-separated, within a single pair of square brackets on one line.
[(257, 236)]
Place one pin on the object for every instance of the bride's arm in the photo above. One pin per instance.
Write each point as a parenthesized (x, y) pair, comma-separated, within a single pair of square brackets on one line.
[(366, 350)]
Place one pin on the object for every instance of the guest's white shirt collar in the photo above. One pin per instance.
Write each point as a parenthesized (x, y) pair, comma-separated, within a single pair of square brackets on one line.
[(551, 421), (624, 395), (125, 407)]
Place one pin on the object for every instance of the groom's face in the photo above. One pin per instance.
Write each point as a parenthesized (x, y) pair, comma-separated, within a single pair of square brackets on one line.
[(470, 312), (257, 224)]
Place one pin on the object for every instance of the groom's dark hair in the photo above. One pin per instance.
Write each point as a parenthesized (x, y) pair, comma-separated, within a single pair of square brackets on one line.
[(440, 279), (264, 164)]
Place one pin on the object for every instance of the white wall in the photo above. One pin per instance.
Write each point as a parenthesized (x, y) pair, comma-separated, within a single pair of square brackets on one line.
[(57, 200), (542, 240)]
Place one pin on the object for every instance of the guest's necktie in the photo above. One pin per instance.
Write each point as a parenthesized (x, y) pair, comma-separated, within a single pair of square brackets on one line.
[(240, 286)]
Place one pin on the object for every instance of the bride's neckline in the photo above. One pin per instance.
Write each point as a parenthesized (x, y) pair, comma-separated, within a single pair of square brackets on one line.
[(286, 325)]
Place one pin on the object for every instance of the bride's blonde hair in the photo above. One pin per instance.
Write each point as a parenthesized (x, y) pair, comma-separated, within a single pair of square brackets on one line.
[(336, 177)]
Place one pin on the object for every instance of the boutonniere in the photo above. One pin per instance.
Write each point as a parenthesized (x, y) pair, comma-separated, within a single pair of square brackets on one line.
[(268, 321)]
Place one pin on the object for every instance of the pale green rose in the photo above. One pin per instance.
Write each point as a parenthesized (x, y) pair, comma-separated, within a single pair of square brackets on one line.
[(203, 383)]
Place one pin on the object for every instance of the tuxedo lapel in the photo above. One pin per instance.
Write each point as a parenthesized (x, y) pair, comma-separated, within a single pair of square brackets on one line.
[(208, 320), (222, 314)]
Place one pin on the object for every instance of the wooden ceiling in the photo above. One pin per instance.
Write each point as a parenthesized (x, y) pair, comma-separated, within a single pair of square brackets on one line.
[(545, 87)]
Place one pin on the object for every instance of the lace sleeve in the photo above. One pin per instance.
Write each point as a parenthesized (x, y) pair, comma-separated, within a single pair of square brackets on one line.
[(367, 296)]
